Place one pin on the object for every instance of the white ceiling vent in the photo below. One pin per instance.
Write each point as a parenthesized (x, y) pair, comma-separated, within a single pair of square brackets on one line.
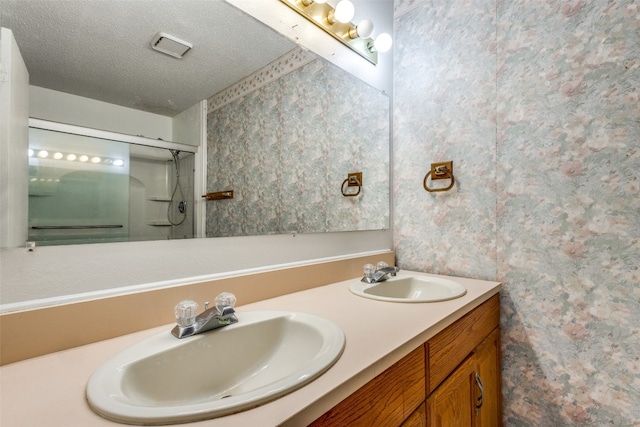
[(170, 45)]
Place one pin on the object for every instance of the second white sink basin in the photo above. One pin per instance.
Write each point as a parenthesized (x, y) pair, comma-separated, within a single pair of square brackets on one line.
[(165, 380), (410, 289)]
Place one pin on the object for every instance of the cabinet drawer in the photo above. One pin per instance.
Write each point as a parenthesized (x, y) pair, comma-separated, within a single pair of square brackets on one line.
[(450, 347), (387, 400)]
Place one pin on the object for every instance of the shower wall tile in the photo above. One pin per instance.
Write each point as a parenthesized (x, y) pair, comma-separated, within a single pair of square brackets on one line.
[(562, 210)]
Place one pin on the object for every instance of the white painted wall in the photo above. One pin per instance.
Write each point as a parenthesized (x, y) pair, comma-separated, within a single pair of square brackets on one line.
[(14, 142), (187, 126), (62, 107), (190, 127)]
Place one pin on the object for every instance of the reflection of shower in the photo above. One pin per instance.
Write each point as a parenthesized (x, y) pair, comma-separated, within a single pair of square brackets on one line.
[(178, 194)]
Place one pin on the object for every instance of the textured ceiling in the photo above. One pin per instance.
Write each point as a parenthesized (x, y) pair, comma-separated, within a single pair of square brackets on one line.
[(100, 49)]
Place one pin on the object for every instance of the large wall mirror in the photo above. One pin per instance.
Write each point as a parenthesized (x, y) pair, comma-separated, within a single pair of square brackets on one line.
[(284, 143), (284, 137)]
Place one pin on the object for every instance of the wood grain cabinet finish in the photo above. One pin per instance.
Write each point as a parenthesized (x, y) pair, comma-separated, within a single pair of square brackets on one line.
[(452, 380), (386, 401), (418, 418), (471, 395)]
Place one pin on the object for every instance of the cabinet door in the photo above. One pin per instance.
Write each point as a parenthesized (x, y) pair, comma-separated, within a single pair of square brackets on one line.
[(418, 418), (488, 394), (451, 404)]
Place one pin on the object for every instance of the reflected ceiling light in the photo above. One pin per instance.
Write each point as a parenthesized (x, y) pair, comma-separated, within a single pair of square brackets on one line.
[(337, 22), (61, 155)]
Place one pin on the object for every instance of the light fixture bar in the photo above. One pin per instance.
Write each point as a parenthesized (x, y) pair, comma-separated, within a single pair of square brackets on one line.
[(318, 13)]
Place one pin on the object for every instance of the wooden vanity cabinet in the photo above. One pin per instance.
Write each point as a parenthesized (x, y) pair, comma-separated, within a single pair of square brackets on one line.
[(385, 401), (437, 384), (463, 371), (471, 395)]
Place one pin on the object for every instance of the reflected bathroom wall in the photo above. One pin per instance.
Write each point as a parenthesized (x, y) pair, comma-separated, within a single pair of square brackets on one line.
[(92, 190), (286, 147)]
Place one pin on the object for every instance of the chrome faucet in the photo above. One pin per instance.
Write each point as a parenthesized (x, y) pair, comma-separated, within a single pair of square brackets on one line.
[(380, 273), (221, 314)]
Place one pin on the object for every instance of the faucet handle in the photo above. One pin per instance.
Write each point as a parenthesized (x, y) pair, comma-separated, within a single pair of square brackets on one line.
[(225, 300), (186, 312), (381, 264), (369, 270)]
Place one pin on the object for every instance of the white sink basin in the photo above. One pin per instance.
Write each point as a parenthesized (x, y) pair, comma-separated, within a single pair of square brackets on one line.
[(410, 289), (165, 380)]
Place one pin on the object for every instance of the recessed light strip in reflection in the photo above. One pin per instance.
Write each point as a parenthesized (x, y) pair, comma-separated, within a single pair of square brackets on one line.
[(39, 153)]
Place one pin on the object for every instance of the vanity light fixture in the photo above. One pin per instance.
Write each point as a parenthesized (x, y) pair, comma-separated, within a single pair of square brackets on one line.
[(382, 43), (343, 12), (364, 29), (337, 23)]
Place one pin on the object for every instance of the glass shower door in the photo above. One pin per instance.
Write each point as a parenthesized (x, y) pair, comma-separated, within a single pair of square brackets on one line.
[(78, 189)]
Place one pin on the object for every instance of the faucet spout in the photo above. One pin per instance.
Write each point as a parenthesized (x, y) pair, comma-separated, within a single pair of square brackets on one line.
[(381, 274)]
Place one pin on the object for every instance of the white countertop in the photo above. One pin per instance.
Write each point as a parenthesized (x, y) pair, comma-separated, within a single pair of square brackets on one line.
[(50, 390)]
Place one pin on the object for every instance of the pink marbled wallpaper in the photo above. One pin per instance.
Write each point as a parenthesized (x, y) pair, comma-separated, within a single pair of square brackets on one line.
[(286, 146), (544, 95)]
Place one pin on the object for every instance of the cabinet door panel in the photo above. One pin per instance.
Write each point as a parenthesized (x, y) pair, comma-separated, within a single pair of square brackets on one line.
[(487, 356), (449, 348), (451, 404), (418, 418)]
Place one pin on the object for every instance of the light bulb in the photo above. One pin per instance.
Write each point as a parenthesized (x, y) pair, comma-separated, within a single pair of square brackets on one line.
[(43, 154), (363, 30), (118, 162), (83, 158), (96, 159), (383, 43), (30, 152), (344, 11), (57, 155), (71, 157)]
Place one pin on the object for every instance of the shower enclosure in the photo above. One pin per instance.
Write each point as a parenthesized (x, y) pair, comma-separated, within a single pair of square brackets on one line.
[(85, 188)]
